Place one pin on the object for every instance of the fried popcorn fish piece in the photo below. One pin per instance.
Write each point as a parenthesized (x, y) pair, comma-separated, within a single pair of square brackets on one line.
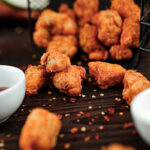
[(117, 52), (116, 146), (69, 81), (109, 25), (105, 74), (85, 10), (64, 8), (64, 44), (134, 83), (40, 130), (55, 61), (54, 23), (130, 36), (36, 77), (90, 44), (126, 8)]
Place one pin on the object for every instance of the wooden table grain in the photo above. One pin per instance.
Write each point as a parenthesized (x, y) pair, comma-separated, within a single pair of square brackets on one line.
[(89, 113)]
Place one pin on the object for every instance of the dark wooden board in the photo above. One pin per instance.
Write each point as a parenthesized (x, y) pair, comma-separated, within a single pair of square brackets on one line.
[(16, 50)]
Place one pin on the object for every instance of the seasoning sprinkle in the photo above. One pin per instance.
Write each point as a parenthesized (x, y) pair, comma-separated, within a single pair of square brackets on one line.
[(121, 113), (67, 115), (83, 95), (93, 96), (117, 99), (90, 107), (101, 94), (101, 127), (83, 129)]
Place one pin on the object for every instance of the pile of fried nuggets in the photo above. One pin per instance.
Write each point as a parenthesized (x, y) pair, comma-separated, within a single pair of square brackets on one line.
[(60, 33)]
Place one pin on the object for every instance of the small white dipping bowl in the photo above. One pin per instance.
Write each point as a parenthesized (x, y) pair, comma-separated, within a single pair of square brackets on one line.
[(140, 110), (11, 98)]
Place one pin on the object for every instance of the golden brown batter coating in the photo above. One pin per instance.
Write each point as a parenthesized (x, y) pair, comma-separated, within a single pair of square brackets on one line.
[(131, 33), (117, 52), (87, 37), (116, 146), (41, 37), (134, 83), (126, 8), (40, 130), (64, 8), (55, 61), (85, 10), (69, 81), (36, 77), (109, 25), (64, 44), (101, 54), (55, 23), (105, 74), (89, 43)]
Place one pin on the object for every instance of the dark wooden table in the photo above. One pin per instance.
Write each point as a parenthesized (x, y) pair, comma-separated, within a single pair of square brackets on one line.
[(90, 111)]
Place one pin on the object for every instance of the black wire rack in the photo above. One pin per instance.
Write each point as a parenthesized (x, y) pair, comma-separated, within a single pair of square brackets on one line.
[(145, 25), (104, 4)]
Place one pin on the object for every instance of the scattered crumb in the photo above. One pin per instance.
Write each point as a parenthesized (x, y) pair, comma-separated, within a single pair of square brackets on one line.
[(89, 79), (87, 115), (49, 92), (94, 90), (78, 120), (101, 127), (67, 145), (102, 113), (34, 56), (61, 135), (18, 30)]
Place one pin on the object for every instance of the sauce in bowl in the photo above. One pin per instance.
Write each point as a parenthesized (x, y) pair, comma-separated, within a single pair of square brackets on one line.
[(3, 88)]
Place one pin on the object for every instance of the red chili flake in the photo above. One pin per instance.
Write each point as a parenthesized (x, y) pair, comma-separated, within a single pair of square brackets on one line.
[(73, 100), (79, 63), (93, 129), (87, 115), (111, 111), (60, 116), (106, 118), (128, 125), (78, 115), (74, 130), (87, 138), (96, 117), (96, 137), (124, 106), (133, 132), (8, 135), (90, 123)]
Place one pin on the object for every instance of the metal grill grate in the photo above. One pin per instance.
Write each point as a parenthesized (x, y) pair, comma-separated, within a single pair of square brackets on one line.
[(54, 4), (145, 25)]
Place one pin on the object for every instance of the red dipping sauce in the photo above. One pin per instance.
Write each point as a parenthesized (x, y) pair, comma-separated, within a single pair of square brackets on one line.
[(3, 88)]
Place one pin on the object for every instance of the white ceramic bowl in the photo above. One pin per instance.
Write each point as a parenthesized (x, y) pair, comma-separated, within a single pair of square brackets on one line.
[(140, 110), (11, 98)]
